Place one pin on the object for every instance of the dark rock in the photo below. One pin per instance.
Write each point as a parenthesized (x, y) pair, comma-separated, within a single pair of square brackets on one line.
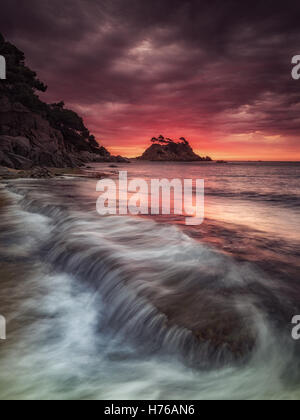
[(172, 151), (121, 159), (5, 173), (19, 162), (41, 173), (5, 161), (33, 133), (38, 173)]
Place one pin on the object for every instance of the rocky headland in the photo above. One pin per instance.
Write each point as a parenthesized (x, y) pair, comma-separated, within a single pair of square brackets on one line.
[(36, 134)]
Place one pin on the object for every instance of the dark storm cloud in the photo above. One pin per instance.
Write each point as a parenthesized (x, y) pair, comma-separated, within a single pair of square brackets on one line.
[(214, 65)]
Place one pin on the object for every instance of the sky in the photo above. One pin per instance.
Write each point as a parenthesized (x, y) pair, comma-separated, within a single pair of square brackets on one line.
[(215, 72)]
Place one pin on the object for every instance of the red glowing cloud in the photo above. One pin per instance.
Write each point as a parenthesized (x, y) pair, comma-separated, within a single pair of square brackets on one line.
[(217, 73)]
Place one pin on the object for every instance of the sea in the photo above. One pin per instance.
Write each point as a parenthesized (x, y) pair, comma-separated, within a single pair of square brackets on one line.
[(144, 306)]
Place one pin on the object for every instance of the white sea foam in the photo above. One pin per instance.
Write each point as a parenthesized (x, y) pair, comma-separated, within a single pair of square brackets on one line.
[(92, 321)]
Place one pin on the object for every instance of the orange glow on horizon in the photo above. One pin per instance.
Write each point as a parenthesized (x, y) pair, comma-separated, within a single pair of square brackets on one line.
[(130, 137), (230, 150)]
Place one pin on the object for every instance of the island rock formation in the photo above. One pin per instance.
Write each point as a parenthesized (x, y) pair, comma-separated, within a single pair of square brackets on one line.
[(165, 149)]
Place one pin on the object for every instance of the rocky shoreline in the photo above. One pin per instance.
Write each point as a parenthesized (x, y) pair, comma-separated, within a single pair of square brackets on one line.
[(48, 173)]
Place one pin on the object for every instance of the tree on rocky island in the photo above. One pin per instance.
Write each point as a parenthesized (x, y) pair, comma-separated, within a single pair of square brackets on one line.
[(165, 140), (167, 149)]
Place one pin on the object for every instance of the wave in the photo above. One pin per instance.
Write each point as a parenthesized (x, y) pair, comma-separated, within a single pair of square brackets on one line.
[(158, 287), (285, 200)]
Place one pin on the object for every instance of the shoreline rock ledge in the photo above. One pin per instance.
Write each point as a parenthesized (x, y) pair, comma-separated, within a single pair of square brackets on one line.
[(165, 149)]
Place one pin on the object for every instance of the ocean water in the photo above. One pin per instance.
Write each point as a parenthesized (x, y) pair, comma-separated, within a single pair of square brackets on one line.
[(126, 307)]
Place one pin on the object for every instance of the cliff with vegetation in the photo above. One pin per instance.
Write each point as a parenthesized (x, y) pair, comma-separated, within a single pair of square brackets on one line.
[(165, 149), (33, 133)]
